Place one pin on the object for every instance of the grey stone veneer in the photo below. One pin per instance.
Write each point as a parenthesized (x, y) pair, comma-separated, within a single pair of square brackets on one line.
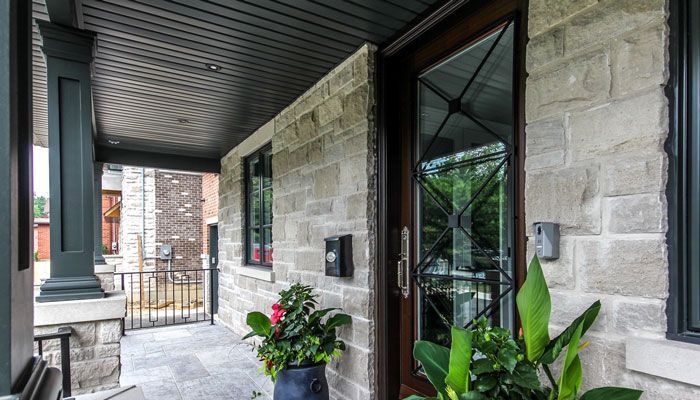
[(324, 184), (597, 119)]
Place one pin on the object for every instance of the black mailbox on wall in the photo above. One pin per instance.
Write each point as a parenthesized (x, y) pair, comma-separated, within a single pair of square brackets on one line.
[(339, 256)]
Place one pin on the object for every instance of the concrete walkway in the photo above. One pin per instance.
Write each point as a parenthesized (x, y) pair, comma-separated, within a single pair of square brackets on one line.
[(196, 361)]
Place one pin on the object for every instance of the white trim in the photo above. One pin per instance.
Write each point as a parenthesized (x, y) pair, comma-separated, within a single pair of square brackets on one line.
[(261, 273), (257, 140), (212, 220), (112, 306), (664, 358)]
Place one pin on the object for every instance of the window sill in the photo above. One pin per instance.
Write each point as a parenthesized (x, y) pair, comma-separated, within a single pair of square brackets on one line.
[(261, 273), (664, 358)]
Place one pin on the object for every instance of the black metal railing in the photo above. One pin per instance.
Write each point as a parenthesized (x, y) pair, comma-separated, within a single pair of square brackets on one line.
[(63, 334), (168, 297)]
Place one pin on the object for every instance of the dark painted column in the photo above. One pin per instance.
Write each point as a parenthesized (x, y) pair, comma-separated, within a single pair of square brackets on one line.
[(99, 258), (68, 53)]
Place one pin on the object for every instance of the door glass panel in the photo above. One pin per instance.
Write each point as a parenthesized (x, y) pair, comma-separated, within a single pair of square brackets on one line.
[(463, 266)]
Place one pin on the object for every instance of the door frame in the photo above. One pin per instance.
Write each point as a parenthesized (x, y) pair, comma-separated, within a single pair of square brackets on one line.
[(443, 28)]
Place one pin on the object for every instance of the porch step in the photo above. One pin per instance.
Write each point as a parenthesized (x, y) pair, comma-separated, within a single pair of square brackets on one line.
[(123, 393)]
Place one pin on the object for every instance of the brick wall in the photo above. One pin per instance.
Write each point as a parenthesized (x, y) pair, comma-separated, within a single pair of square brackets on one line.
[(323, 184), (597, 120), (178, 210), (42, 241), (210, 205)]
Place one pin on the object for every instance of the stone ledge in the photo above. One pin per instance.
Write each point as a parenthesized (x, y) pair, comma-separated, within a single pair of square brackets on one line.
[(112, 306), (260, 273), (664, 358), (105, 268)]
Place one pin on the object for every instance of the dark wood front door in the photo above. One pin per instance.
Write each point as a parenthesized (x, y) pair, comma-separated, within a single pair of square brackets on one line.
[(458, 187)]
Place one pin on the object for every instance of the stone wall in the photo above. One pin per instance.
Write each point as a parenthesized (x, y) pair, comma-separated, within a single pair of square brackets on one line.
[(137, 216), (96, 331), (597, 119), (323, 184)]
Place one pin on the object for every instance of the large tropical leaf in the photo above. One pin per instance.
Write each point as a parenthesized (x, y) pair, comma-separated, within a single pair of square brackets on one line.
[(612, 393), (460, 359), (554, 348), (414, 397), (571, 373), (534, 308), (259, 323), (435, 360)]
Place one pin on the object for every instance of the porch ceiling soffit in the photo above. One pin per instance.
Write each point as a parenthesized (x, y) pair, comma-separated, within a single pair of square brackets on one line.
[(156, 87)]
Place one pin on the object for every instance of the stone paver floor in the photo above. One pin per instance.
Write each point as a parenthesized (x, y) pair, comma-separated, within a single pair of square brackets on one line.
[(195, 361)]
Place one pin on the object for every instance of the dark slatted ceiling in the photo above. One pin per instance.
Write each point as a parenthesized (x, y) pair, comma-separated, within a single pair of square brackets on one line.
[(150, 63)]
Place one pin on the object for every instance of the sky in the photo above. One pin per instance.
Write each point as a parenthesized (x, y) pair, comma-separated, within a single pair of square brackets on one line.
[(41, 171)]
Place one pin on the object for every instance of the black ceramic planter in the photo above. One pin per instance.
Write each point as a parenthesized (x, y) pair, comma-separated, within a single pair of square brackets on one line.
[(304, 382)]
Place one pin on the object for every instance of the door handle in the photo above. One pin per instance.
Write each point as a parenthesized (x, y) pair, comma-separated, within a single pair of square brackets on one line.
[(403, 272)]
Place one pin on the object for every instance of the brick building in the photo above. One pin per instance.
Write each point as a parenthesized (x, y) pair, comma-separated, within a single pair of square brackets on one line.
[(210, 206)]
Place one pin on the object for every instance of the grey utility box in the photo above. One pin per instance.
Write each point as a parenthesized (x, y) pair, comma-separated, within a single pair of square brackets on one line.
[(166, 252), (339, 256), (546, 240)]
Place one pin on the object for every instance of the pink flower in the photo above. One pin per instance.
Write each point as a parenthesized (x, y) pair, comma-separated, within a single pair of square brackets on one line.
[(277, 314)]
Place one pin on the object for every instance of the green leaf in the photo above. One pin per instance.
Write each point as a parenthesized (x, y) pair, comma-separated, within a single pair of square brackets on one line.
[(526, 376), (414, 397), (554, 348), (337, 320), (460, 358), (435, 360), (612, 393), (485, 383), (473, 396), (534, 308), (507, 358), (571, 374), (259, 323), (482, 366)]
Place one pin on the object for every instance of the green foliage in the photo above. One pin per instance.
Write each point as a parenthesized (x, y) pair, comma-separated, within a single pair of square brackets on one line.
[(534, 307), (105, 249), (36, 255), (296, 333), (496, 366), (39, 206)]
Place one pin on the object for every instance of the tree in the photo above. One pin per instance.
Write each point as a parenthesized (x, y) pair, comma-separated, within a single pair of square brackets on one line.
[(39, 206)]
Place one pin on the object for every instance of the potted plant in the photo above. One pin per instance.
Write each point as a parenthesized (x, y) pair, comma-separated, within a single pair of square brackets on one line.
[(297, 344), (487, 363)]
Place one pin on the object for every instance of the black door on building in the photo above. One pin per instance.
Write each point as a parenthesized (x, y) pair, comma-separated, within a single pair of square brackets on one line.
[(213, 263), (455, 239)]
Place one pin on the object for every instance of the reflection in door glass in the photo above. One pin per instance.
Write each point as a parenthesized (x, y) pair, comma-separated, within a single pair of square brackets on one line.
[(462, 175)]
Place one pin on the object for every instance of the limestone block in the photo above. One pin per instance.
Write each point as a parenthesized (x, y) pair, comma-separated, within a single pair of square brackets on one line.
[(330, 109), (356, 301), (610, 19), (631, 267), (636, 124), (355, 107), (545, 48), (642, 213), (631, 315), (340, 77), (546, 13), (566, 196), (326, 181), (545, 136), (568, 305), (581, 81), (109, 331), (639, 61), (631, 175), (560, 272)]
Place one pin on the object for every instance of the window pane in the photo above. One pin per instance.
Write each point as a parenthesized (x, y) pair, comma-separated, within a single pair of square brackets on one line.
[(254, 208), (268, 245), (267, 206), (255, 246)]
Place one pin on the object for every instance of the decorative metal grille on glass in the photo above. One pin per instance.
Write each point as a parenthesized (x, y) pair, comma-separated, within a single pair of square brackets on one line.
[(464, 188)]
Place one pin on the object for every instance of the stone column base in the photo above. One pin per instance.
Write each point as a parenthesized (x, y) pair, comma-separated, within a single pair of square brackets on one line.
[(96, 333)]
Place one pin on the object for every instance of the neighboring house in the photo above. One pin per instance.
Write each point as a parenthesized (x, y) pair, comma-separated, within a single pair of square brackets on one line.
[(161, 207), (210, 210)]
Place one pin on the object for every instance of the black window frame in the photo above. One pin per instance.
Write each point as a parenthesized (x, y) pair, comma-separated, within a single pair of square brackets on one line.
[(683, 191), (260, 155)]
